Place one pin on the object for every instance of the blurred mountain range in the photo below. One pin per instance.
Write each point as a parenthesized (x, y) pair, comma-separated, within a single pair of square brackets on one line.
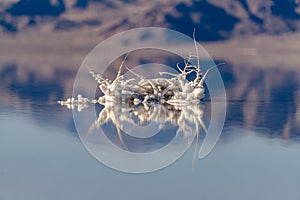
[(213, 19)]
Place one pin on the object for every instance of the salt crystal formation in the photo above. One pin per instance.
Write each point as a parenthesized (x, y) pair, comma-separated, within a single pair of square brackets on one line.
[(176, 91)]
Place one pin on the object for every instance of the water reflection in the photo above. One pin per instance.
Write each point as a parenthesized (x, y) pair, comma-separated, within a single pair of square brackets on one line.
[(33, 91), (144, 127), (30, 86), (266, 100)]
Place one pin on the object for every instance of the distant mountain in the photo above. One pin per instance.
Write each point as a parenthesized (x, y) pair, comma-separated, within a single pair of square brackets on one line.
[(213, 19), (36, 7)]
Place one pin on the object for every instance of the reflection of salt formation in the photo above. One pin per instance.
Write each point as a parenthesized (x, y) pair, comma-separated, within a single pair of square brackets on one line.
[(125, 117), (187, 118)]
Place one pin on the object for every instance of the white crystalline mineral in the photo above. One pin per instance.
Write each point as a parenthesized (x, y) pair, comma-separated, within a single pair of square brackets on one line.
[(173, 91)]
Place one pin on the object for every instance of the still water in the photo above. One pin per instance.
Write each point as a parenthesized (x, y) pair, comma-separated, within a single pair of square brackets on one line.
[(256, 156)]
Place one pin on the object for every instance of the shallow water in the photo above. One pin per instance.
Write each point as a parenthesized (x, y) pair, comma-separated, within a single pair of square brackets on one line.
[(256, 156)]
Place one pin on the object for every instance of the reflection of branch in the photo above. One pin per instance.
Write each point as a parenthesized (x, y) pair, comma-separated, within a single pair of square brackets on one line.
[(187, 118)]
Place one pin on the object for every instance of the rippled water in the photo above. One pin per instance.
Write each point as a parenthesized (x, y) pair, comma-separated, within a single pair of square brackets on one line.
[(256, 157)]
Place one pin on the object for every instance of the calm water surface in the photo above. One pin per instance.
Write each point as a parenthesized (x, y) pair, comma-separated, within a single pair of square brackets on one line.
[(257, 156)]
